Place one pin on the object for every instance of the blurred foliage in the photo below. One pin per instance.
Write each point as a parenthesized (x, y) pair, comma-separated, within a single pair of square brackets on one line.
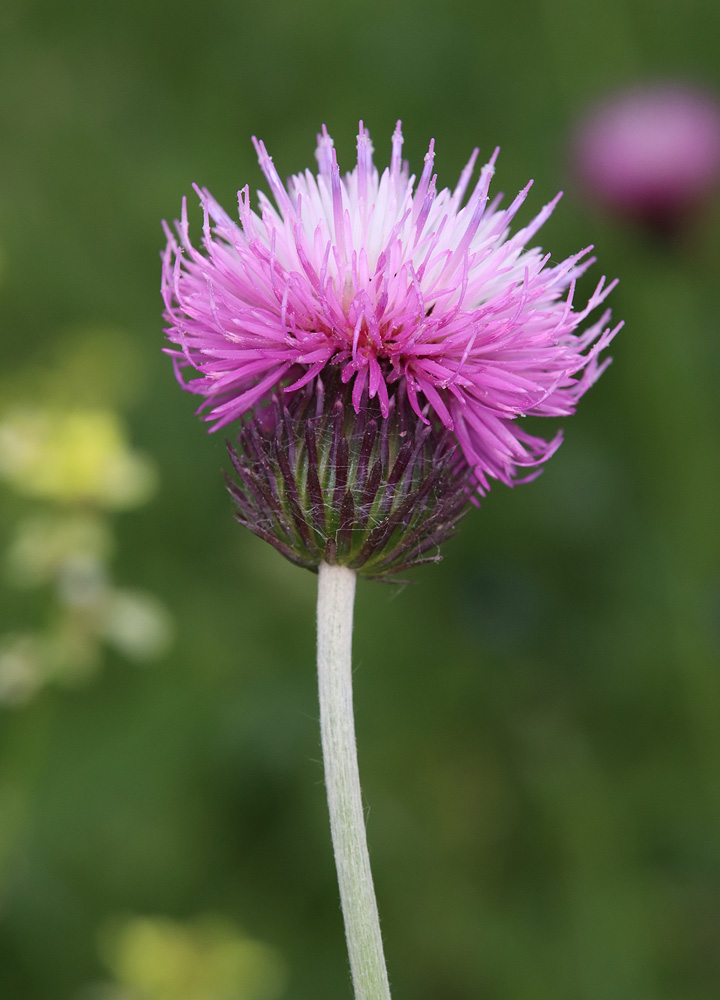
[(537, 718), (78, 463), (75, 457), (210, 959)]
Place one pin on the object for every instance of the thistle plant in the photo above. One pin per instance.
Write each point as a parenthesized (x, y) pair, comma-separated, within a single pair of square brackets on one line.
[(377, 341)]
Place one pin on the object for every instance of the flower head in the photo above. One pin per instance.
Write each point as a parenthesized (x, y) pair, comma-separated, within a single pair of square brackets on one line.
[(392, 295), (390, 281), (652, 153)]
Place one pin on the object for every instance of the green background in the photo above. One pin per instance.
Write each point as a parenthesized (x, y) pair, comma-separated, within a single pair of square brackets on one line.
[(539, 717)]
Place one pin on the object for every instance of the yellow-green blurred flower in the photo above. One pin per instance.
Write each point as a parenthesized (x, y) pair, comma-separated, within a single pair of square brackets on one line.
[(65, 652), (136, 624), (45, 543), (208, 959), (73, 457)]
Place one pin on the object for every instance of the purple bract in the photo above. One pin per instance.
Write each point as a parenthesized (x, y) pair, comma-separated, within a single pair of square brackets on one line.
[(390, 281)]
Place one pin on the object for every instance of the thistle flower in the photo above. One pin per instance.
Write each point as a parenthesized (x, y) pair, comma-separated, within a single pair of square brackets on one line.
[(651, 154), (378, 341), (414, 299)]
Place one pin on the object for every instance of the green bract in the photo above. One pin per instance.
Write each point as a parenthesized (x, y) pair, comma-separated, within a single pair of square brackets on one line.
[(321, 482)]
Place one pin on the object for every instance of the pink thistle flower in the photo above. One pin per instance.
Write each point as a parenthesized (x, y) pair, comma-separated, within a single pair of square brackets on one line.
[(387, 281), (652, 153)]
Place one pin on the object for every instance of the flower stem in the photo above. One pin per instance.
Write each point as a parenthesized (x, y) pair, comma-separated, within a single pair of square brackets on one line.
[(336, 594)]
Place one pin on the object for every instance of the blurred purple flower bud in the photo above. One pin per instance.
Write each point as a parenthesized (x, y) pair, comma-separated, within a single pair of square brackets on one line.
[(651, 154)]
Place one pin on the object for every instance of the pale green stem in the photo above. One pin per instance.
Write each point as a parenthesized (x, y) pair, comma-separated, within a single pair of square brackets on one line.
[(336, 594)]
